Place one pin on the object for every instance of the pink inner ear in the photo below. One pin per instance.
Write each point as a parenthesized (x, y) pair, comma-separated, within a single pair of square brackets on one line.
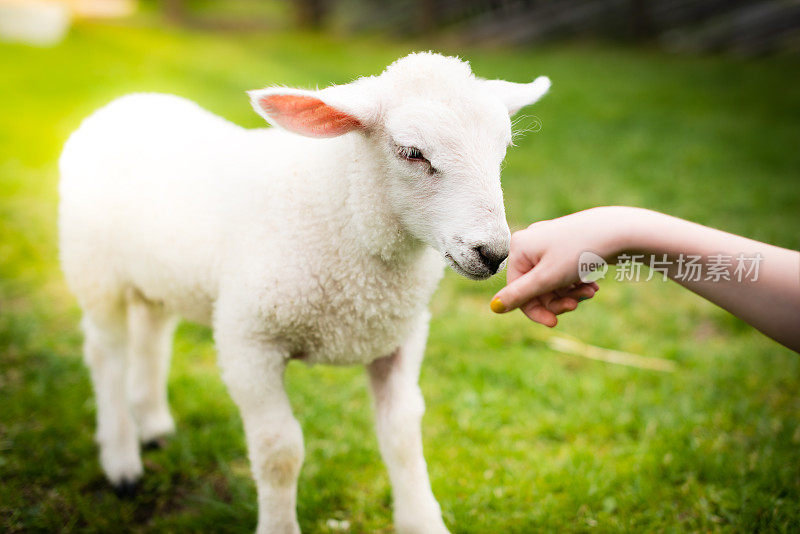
[(308, 115)]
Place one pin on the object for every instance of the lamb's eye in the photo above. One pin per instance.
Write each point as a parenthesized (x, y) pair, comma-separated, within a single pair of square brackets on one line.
[(411, 153)]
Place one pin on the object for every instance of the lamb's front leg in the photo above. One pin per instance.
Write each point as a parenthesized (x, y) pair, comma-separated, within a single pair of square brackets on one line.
[(398, 413), (253, 372)]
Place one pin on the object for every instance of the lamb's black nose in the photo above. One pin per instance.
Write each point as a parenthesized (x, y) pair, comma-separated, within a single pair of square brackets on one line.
[(491, 257)]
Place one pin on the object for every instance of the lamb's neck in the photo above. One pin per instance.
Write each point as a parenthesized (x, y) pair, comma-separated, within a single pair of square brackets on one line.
[(373, 222)]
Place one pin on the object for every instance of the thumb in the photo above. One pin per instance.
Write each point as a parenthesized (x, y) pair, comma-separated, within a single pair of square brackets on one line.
[(535, 282)]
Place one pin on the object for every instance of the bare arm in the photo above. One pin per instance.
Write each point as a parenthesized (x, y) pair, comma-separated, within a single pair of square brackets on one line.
[(769, 301)]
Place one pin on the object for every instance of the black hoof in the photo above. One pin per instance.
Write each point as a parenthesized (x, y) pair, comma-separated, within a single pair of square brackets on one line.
[(154, 444), (126, 489)]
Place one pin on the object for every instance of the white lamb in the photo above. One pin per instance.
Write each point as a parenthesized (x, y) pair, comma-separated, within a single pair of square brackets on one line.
[(323, 247)]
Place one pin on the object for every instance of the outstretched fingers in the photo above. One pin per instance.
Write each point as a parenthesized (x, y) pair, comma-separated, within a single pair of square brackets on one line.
[(534, 283), (541, 305), (544, 309)]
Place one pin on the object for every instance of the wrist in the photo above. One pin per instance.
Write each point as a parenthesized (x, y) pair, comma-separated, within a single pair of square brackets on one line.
[(622, 230)]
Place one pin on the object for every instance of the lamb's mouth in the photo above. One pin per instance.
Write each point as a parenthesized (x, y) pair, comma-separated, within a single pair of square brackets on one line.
[(483, 274)]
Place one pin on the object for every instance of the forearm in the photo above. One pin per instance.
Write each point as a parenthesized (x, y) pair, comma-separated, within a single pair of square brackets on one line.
[(767, 296)]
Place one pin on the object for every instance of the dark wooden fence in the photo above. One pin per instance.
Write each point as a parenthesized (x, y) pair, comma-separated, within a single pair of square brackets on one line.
[(745, 27)]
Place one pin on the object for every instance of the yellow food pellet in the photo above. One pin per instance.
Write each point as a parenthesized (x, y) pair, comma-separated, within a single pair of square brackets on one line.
[(497, 305)]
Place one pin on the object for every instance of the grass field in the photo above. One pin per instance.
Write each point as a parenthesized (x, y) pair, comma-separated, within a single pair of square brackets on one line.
[(518, 438)]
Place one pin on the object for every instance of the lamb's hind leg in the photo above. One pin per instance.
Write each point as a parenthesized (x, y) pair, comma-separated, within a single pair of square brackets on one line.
[(150, 330), (105, 352), (253, 372), (398, 413)]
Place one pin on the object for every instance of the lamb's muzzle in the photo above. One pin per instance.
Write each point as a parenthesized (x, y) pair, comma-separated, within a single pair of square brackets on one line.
[(491, 257)]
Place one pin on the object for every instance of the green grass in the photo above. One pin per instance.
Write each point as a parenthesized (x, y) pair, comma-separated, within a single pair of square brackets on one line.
[(518, 438)]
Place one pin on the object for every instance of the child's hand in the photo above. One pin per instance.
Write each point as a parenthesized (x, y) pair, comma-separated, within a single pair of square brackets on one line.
[(542, 273), (543, 276)]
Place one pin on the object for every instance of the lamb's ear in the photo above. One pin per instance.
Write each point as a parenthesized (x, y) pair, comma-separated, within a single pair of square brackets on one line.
[(311, 113), (518, 95)]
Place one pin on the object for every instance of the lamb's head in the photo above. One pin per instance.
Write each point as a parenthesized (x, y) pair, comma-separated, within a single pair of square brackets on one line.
[(440, 135)]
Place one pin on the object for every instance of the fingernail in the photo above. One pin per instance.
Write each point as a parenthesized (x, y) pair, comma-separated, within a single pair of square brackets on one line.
[(497, 305)]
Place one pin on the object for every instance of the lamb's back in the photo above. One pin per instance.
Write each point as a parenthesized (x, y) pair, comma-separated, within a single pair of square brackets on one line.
[(164, 134), (143, 198)]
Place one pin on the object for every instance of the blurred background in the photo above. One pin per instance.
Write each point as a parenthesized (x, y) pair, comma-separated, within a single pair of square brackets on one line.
[(740, 26), (684, 106)]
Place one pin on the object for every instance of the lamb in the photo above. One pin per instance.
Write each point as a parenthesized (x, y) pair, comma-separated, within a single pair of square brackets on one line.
[(323, 247)]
